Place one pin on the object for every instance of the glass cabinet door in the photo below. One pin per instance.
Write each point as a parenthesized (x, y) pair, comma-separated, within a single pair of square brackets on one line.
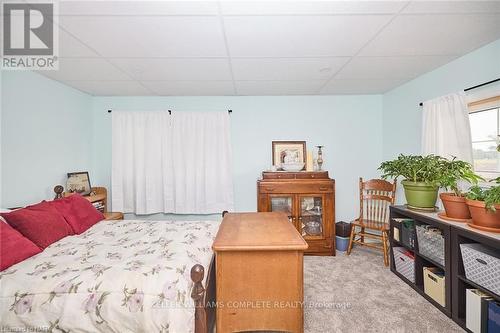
[(311, 223), (282, 204)]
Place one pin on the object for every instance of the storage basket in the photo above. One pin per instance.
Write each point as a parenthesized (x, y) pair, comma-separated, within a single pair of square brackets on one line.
[(435, 284), (395, 233), (404, 262), (408, 234), (482, 266), (342, 243), (343, 229), (493, 316), (430, 243)]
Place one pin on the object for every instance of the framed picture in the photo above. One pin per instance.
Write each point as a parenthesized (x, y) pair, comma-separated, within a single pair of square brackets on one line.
[(78, 182), (289, 152)]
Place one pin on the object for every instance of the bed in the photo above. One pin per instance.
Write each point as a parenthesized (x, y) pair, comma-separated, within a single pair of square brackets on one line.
[(118, 276)]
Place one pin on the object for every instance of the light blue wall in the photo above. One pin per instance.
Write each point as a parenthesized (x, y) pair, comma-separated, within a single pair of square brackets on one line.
[(46, 131), (402, 115), (349, 127)]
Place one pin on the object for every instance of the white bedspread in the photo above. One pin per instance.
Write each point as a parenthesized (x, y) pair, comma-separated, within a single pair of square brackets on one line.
[(118, 276)]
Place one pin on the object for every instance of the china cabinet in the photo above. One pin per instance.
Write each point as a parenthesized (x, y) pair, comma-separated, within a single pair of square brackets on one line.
[(308, 198)]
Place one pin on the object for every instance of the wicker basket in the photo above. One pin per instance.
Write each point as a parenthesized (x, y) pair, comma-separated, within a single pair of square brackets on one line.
[(430, 244)]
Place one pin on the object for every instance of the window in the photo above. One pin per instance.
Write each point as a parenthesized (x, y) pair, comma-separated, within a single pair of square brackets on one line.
[(485, 126)]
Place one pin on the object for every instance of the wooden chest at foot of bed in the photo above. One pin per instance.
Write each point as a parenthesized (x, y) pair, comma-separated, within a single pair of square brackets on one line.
[(259, 273)]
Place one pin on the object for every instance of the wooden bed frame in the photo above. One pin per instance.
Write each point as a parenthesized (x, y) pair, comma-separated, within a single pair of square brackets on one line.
[(204, 297)]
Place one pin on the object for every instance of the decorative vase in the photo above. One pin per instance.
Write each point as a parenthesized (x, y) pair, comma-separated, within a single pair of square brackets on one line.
[(320, 157)]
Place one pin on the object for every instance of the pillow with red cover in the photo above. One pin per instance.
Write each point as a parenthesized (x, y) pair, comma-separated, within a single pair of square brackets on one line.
[(40, 223), (78, 212), (14, 247)]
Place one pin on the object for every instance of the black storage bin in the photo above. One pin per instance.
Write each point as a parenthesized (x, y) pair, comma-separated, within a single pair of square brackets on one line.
[(408, 233), (343, 229)]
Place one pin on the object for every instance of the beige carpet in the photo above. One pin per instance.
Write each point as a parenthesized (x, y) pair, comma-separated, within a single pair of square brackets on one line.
[(357, 293)]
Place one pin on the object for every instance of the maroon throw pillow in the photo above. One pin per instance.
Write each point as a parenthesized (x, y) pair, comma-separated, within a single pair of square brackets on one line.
[(14, 247), (40, 223), (78, 212)]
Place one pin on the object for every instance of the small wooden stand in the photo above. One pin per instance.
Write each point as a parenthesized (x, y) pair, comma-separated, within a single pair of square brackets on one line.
[(98, 198)]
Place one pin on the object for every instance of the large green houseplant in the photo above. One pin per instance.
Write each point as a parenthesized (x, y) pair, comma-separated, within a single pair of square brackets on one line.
[(484, 206), (453, 172), (422, 177)]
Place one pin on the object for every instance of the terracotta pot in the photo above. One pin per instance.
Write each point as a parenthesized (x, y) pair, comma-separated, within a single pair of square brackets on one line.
[(455, 206), (483, 217)]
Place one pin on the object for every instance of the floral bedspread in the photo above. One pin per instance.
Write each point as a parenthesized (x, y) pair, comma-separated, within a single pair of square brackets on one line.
[(118, 276)]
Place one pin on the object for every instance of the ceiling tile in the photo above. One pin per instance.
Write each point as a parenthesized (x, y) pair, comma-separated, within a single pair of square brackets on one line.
[(110, 88), (360, 86), (190, 88), (310, 7), (255, 88), (70, 47), (286, 68), (88, 69), (138, 8), (149, 36), (434, 35), (300, 36), (466, 7), (391, 67), (144, 69)]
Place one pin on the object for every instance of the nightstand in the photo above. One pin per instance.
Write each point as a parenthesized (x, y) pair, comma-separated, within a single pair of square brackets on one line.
[(113, 216)]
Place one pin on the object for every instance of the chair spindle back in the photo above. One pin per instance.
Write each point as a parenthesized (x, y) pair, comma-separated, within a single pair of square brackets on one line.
[(376, 195)]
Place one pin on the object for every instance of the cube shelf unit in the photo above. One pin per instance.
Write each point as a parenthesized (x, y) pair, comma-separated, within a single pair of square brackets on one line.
[(460, 283), (456, 283), (420, 260)]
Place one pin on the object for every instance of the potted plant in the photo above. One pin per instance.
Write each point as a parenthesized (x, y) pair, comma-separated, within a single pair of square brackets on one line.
[(484, 206), (455, 171), (422, 176)]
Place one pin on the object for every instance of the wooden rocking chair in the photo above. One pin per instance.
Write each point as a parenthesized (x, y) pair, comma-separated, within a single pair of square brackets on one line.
[(375, 197)]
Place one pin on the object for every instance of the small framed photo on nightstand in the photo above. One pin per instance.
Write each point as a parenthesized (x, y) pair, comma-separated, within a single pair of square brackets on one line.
[(78, 182)]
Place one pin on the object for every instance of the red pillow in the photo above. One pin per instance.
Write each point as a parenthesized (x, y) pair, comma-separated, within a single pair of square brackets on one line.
[(78, 212), (14, 247), (40, 223)]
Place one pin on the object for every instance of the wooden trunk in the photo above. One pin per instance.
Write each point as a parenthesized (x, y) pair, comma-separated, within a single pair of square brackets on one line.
[(299, 194), (259, 273)]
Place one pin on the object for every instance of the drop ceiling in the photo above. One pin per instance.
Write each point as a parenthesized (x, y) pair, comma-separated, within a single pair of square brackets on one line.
[(172, 48)]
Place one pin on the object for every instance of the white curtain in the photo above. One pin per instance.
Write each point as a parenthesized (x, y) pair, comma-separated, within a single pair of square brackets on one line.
[(446, 127), (202, 162), (171, 164)]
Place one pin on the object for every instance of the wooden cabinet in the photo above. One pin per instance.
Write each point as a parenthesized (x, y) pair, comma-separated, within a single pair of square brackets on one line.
[(308, 198)]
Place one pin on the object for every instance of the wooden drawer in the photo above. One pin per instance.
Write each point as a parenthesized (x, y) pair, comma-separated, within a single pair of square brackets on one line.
[(280, 175), (324, 246), (296, 187), (295, 175)]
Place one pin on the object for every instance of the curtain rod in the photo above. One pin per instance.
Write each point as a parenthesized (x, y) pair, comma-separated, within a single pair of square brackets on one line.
[(474, 87), (170, 111)]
